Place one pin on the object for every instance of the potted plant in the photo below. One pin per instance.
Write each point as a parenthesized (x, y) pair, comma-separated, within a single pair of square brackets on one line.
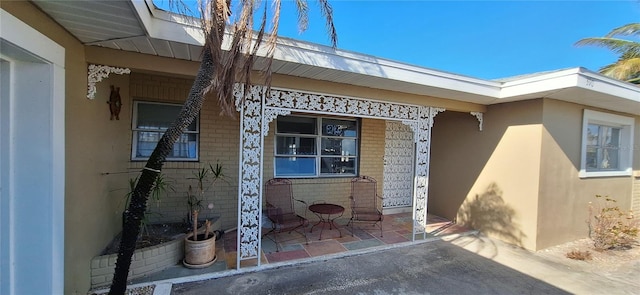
[(200, 244)]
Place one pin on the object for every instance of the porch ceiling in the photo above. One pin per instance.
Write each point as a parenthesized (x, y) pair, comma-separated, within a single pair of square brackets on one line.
[(93, 21)]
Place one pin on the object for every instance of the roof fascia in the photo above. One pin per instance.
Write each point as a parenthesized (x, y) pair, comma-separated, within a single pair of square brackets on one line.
[(167, 26), (326, 57), (575, 77), (604, 84), (172, 27)]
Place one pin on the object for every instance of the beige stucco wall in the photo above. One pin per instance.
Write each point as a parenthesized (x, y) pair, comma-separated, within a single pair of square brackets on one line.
[(564, 196), (518, 179), (635, 202), (489, 179), (90, 142)]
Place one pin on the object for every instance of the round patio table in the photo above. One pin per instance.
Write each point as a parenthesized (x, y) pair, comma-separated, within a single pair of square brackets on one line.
[(324, 212)]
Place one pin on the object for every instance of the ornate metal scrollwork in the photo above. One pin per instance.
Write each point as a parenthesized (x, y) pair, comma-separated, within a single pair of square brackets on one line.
[(478, 116), (258, 109), (97, 73)]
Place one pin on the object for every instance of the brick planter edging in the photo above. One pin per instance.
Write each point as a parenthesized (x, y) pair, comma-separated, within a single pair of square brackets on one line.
[(144, 262)]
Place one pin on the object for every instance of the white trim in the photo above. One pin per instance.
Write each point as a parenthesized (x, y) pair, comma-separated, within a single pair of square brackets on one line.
[(626, 158), (318, 146), (31, 53), (23, 36)]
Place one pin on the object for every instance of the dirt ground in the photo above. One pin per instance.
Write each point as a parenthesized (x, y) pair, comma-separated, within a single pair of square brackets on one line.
[(154, 234), (607, 262)]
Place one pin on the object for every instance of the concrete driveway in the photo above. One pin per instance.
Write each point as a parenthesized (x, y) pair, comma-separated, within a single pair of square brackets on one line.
[(458, 265)]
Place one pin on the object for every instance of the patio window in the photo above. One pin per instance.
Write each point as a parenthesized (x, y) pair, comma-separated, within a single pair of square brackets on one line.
[(150, 121), (315, 147), (607, 141)]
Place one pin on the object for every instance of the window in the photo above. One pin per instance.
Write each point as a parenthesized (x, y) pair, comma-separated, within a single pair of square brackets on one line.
[(607, 141), (150, 120), (315, 147)]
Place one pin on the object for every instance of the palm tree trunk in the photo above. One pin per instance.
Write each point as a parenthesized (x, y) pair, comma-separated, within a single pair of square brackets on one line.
[(138, 204)]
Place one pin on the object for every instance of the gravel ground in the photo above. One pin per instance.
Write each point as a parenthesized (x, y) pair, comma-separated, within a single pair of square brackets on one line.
[(144, 290), (623, 264)]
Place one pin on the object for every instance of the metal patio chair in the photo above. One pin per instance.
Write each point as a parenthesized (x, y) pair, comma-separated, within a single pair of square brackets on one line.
[(281, 209), (364, 202)]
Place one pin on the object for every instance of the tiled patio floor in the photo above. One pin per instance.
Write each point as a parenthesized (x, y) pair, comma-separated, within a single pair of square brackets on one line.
[(396, 229)]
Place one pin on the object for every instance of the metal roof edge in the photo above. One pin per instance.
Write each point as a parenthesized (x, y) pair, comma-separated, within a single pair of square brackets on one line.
[(574, 77), (181, 28)]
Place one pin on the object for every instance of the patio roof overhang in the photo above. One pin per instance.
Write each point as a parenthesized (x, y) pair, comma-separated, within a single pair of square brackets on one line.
[(137, 26)]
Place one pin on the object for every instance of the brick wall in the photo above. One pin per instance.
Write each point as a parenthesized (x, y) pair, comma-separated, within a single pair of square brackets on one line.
[(144, 262), (219, 138), (372, 150)]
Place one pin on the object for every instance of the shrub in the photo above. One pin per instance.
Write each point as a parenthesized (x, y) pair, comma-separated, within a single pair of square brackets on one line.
[(610, 227), (579, 255)]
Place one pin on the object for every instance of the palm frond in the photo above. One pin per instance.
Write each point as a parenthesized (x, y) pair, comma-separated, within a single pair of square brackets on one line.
[(626, 30), (623, 69), (619, 46), (327, 12), (303, 15), (239, 57)]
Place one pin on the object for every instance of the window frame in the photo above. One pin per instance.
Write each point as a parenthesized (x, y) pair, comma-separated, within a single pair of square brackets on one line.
[(318, 156), (625, 150), (135, 130)]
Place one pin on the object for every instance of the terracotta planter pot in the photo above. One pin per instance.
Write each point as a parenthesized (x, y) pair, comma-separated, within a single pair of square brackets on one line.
[(200, 253)]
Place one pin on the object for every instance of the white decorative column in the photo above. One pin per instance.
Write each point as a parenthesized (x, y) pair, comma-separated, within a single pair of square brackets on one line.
[(250, 173), (422, 136)]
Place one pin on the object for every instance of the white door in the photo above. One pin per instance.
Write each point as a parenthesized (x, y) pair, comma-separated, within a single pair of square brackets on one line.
[(31, 160), (398, 168), (5, 268)]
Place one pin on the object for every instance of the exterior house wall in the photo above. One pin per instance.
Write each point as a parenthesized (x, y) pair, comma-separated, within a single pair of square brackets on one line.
[(218, 140), (635, 200), (88, 203), (564, 196), (527, 159), (506, 180), (489, 179)]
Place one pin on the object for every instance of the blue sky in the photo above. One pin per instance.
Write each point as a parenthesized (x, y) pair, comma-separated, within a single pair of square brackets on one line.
[(484, 39)]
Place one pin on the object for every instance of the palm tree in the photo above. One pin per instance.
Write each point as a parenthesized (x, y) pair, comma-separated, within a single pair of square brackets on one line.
[(219, 70), (627, 67)]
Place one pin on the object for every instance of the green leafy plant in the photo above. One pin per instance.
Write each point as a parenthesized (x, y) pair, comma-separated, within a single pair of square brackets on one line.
[(610, 227), (160, 188), (206, 178)]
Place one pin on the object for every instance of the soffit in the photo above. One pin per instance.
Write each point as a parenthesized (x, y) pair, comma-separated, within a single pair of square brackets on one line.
[(93, 21), (124, 25)]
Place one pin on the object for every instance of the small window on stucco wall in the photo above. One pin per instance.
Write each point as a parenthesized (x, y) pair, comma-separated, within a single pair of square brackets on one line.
[(607, 145), (150, 121), (316, 147)]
